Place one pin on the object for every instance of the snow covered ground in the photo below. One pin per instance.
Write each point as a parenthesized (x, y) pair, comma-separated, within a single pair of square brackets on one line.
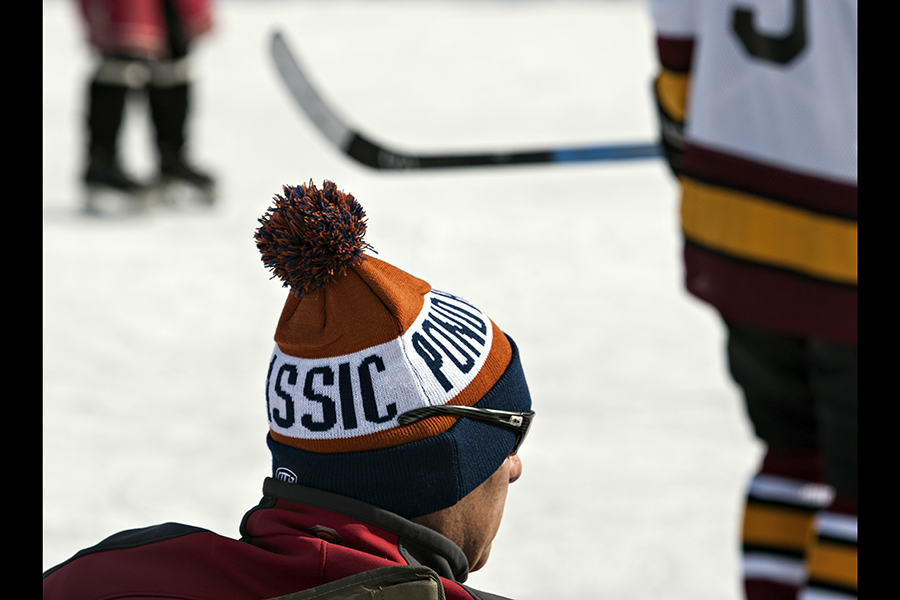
[(157, 330)]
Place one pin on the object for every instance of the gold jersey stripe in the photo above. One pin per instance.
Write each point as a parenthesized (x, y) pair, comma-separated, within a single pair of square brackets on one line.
[(776, 527), (671, 89), (753, 228), (833, 563)]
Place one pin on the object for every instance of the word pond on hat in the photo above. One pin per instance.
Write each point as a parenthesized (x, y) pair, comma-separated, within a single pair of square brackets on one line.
[(359, 341)]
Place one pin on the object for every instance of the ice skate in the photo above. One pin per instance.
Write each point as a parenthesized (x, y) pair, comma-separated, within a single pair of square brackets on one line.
[(181, 185), (109, 191)]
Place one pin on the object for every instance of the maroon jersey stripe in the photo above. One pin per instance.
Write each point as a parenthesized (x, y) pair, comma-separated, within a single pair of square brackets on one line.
[(812, 193), (674, 53), (772, 297)]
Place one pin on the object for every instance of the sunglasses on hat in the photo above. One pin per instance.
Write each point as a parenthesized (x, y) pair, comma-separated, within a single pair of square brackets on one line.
[(519, 422)]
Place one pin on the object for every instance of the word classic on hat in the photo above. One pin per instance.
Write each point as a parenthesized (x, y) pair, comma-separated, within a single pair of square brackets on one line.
[(361, 342)]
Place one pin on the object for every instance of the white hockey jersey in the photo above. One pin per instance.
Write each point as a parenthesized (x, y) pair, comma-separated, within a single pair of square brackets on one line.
[(767, 94)]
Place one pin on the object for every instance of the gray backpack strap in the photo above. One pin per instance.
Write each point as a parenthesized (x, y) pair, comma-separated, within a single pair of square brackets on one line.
[(399, 582)]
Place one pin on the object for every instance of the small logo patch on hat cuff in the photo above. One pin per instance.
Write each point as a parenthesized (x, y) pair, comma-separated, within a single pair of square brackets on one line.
[(362, 393), (286, 475)]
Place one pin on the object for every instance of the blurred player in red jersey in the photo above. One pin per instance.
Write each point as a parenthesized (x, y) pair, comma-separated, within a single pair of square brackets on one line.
[(143, 46)]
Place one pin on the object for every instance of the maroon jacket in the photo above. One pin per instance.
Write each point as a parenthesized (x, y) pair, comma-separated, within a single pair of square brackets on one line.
[(295, 539)]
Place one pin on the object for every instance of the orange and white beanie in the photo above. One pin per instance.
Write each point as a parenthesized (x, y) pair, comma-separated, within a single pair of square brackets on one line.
[(359, 343)]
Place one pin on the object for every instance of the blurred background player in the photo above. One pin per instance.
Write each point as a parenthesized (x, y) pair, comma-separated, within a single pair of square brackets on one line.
[(758, 109), (143, 46)]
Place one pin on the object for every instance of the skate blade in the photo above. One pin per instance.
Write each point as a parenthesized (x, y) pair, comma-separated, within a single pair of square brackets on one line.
[(181, 195), (109, 202)]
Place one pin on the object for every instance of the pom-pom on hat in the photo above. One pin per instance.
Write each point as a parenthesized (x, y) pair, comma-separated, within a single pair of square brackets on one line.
[(360, 342)]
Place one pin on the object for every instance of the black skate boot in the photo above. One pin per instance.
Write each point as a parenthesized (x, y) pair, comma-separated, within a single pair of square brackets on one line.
[(109, 190), (181, 184)]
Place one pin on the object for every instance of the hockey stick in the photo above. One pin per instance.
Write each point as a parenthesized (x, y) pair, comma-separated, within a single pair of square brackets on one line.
[(372, 154)]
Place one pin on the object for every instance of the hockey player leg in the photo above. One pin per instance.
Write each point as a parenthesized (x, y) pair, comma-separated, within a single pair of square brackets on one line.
[(832, 554), (108, 188), (832, 548), (782, 502), (788, 491), (178, 181)]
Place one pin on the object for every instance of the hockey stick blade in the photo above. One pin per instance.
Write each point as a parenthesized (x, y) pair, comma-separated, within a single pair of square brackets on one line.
[(377, 156)]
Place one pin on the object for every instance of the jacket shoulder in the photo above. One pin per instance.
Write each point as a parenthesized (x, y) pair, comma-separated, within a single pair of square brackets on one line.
[(134, 538)]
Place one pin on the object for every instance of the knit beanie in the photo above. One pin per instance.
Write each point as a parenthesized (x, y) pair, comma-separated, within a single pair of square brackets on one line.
[(360, 342)]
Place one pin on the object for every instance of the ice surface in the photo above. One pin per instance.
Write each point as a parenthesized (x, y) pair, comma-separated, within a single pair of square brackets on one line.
[(157, 330)]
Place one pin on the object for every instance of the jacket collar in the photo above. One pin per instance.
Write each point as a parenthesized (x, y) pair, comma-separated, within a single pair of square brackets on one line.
[(418, 544)]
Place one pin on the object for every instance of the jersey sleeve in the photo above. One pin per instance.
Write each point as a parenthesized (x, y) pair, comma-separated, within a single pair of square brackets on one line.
[(674, 25)]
